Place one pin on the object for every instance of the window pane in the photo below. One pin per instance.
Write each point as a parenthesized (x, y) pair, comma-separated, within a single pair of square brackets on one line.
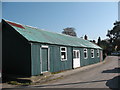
[(74, 54), (77, 54), (63, 49), (63, 55), (91, 54), (85, 54), (98, 53)]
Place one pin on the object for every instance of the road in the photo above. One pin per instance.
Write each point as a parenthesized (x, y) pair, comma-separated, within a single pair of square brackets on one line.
[(104, 76)]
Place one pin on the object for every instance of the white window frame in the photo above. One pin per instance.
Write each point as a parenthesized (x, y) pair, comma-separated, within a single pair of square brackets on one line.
[(92, 51), (85, 51), (98, 53), (65, 53)]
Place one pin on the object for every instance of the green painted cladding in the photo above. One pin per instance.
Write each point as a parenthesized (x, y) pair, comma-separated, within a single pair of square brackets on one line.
[(35, 59), (56, 64), (89, 60)]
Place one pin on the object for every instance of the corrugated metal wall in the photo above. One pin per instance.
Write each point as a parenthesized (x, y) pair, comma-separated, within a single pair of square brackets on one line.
[(89, 60), (35, 59), (56, 64), (55, 59)]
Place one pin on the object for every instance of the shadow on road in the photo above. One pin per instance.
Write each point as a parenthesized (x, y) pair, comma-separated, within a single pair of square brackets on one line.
[(72, 83), (9, 77), (114, 82), (115, 70)]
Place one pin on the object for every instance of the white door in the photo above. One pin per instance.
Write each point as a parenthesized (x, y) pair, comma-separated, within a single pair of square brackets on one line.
[(76, 58)]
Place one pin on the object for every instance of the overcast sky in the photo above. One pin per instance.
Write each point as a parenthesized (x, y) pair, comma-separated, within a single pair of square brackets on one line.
[(90, 18)]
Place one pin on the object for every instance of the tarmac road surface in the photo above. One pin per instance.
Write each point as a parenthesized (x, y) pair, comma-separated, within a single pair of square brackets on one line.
[(104, 76)]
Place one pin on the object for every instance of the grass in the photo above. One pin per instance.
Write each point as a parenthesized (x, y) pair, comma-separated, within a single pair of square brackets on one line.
[(31, 83), (61, 77), (40, 75), (58, 72), (18, 83), (24, 82)]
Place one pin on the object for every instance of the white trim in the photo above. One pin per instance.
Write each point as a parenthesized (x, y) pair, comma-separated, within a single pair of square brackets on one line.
[(40, 60), (31, 44), (86, 53), (65, 53), (92, 51), (44, 46), (48, 59), (44, 72)]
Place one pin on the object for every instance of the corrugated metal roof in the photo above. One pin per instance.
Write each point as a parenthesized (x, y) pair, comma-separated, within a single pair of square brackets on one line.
[(38, 35)]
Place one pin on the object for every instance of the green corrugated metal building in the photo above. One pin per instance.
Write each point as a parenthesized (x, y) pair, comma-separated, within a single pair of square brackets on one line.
[(30, 51)]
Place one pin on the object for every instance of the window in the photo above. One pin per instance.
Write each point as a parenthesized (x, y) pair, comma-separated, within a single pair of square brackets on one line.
[(85, 54), (92, 53), (76, 54), (98, 53), (63, 53)]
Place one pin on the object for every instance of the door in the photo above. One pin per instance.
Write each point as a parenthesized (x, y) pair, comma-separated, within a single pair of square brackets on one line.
[(44, 59), (76, 58)]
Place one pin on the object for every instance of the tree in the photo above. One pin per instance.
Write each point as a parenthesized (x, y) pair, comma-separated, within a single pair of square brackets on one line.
[(86, 37), (69, 31), (94, 41), (114, 36), (105, 45), (99, 41)]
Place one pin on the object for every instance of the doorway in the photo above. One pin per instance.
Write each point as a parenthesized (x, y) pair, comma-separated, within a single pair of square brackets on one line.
[(76, 58)]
